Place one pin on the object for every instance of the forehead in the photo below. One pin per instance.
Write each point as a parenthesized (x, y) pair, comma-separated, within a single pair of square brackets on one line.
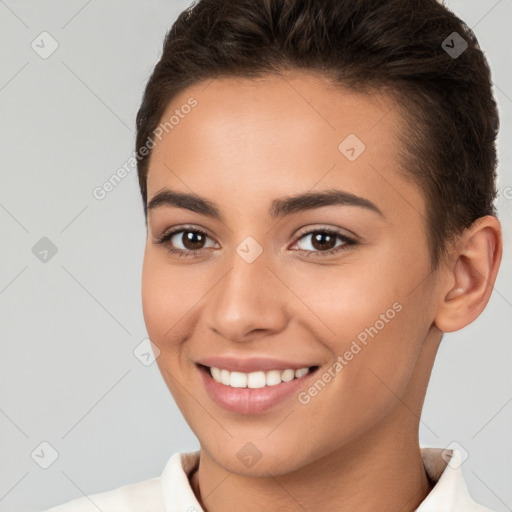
[(272, 136)]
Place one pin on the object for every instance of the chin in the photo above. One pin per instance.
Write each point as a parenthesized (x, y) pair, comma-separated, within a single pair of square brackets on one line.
[(256, 458)]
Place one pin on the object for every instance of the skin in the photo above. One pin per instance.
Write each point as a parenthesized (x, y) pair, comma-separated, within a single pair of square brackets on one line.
[(246, 143)]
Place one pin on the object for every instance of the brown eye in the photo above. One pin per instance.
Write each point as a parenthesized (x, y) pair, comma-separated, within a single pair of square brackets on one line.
[(185, 242), (323, 242), (192, 240)]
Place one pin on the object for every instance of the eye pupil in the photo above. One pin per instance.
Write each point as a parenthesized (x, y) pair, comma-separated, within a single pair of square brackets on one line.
[(319, 241), (190, 240)]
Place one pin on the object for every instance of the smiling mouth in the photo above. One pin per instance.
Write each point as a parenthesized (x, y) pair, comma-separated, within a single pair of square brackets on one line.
[(258, 379)]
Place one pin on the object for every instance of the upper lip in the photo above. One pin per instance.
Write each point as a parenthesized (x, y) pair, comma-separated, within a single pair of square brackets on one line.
[(253, 364)]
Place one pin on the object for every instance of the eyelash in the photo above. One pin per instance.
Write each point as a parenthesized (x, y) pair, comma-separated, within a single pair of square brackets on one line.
[(166, 237)]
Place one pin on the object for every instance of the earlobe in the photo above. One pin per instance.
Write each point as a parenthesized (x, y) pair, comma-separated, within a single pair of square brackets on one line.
[(471, 277)]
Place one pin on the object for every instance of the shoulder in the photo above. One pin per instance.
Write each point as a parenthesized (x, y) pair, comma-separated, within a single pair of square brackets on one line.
[(142, 496)]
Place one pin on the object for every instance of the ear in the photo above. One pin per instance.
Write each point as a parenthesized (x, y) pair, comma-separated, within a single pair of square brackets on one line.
[(470, 274)]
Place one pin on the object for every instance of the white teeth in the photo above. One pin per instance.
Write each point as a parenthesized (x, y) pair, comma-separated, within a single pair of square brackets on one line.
[(287, 375), (216, 373), (224, 377), (256, 380), (273, 377), (301, 372), (238, 380)]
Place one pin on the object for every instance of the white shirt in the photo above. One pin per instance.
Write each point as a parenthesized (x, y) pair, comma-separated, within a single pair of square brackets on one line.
[(171, 492)]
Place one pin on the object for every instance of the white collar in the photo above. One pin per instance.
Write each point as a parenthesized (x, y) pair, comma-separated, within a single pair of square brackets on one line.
[(449, 494)]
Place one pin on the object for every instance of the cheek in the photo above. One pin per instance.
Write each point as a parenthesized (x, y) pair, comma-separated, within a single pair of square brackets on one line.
[(162, 306), (155, 297), (370, 318), (168, 298), (346, 299)]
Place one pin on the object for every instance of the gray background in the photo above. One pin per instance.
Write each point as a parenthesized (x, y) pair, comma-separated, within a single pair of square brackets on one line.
[(69, 326)]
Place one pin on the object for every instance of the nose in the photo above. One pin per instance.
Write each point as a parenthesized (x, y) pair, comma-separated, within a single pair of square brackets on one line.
[(248, 302)]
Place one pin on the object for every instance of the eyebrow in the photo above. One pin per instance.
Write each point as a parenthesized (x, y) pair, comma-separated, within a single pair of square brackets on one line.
[(279, 207)]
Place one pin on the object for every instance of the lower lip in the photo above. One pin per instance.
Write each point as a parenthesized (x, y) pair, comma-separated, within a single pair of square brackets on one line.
[(249, 400)]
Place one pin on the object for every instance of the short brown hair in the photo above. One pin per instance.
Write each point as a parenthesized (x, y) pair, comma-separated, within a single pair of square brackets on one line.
[(395, 46)]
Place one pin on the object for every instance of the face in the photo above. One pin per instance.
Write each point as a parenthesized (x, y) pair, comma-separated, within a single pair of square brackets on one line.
[(278, 242)]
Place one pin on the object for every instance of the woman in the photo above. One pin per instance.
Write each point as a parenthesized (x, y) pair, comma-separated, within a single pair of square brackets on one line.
[(319, 209)]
